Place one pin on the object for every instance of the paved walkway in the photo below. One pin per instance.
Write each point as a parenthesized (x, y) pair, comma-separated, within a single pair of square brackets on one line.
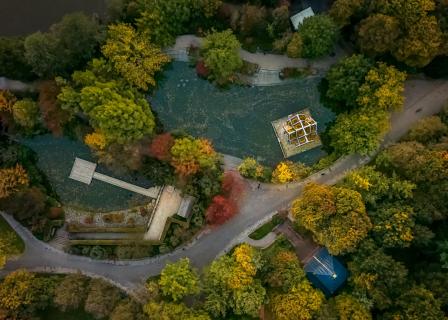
[(305, 248), (258, 205), (270, 65), (264, 242)]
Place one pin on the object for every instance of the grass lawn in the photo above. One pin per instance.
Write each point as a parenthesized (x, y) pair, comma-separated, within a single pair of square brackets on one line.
[(55, 314), (266, 228), (18, 242)]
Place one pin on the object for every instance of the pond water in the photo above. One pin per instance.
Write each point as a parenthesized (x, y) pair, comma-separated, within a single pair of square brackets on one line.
[(236, 120), (21, 17), (56, 157)]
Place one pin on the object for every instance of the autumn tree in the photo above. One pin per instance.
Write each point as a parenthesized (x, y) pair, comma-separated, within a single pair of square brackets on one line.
[(221, 55), (378, 33), (67, 46), (169, 310), (288, 171), (7, 101), (178, 280), (190, 155), (250, 168), (160, 146), (345, 77), (360, 131), (133, 56), (16, 290), (335, 215), (343, 10), (71, 292), (284, 271), (9, 246), (348, 307), (232, 186), (382, 89), (26, 113), (252, 19), (429, 129), (295, 46), (96, 140), (220, 210), (101, 298), (319, 34), (394, 226), (128, 309), (52, 114), (230, 283), (300, 303), (12, 180)]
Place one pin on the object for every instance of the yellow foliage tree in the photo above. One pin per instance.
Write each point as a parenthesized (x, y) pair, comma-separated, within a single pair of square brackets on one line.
[(349, 308), (7, 100), (300, 303), (16, 290), (12, 180), (288, 171), (96, 140), (245, 267)]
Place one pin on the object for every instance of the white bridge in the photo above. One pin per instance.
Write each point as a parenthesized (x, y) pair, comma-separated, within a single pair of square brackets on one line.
[(84, 171)]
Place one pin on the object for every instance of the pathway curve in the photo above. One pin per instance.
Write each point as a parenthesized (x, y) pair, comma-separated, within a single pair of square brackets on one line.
[(257, 205)]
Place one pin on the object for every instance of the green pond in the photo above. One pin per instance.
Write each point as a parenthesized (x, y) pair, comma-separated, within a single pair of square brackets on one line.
[(236, 120), (56, 157)]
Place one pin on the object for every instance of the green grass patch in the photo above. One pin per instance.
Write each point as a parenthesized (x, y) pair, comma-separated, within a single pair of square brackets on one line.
[(266, 228), (18, 243)]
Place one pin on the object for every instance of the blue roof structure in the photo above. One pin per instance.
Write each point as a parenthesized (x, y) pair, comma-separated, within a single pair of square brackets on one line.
[(326, 272)]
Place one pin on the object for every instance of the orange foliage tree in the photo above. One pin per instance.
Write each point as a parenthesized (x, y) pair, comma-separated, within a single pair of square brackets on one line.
[(233, 186), (52, 114), (7, 100), (12, 179), (160, 146)]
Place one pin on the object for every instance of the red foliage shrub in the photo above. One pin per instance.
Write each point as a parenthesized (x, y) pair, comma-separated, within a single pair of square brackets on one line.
[(201, 69), (54, 117), (55, 213), (160, 146), (220, 210), (233, 186)]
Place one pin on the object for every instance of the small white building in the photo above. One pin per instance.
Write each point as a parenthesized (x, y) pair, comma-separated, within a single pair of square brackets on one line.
[(298, 18)]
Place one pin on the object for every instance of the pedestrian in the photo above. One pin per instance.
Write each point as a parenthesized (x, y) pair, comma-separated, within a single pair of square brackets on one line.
[(259, 184)]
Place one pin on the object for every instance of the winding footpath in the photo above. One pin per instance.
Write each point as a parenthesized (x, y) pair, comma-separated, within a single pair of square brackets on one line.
[(423, 98)]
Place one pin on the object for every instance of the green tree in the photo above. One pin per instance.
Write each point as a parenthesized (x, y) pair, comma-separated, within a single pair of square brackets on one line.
[(162, 21), (13, 64), (119, 112), (376, 187), (319, 34), (301, 303), (178, 280), (383, 88), (221, 55), (8, 246), (295, 46), (284, 271), (360, 131), (133, 56), (126, 310), (168, 310), (378, 33), (429, 129), (343, 10), (250, 168), (335, 215), (370, 275), (101, 299), (67, 46), (345, 77), (415, 304), (26, 113), (71, 292)]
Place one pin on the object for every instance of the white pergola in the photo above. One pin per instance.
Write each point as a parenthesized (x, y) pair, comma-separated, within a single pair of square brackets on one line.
[(84, 171), (298, 18), (300, 129)]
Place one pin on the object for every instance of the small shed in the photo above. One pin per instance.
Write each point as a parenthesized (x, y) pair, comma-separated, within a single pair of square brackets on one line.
[(326, 272), (298, 18), (185, 206)]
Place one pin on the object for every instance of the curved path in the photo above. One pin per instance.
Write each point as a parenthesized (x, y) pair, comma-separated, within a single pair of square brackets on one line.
[(257, 206)]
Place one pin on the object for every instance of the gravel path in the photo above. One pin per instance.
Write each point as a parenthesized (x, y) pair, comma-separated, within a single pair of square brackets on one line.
[(257, 205)]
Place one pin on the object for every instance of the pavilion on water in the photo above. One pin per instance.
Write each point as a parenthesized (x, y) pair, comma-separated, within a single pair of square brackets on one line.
[(300, 129)]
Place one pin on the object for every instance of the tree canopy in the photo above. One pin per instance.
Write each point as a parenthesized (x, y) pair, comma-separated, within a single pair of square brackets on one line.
[(319, 34), (178, 280)]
